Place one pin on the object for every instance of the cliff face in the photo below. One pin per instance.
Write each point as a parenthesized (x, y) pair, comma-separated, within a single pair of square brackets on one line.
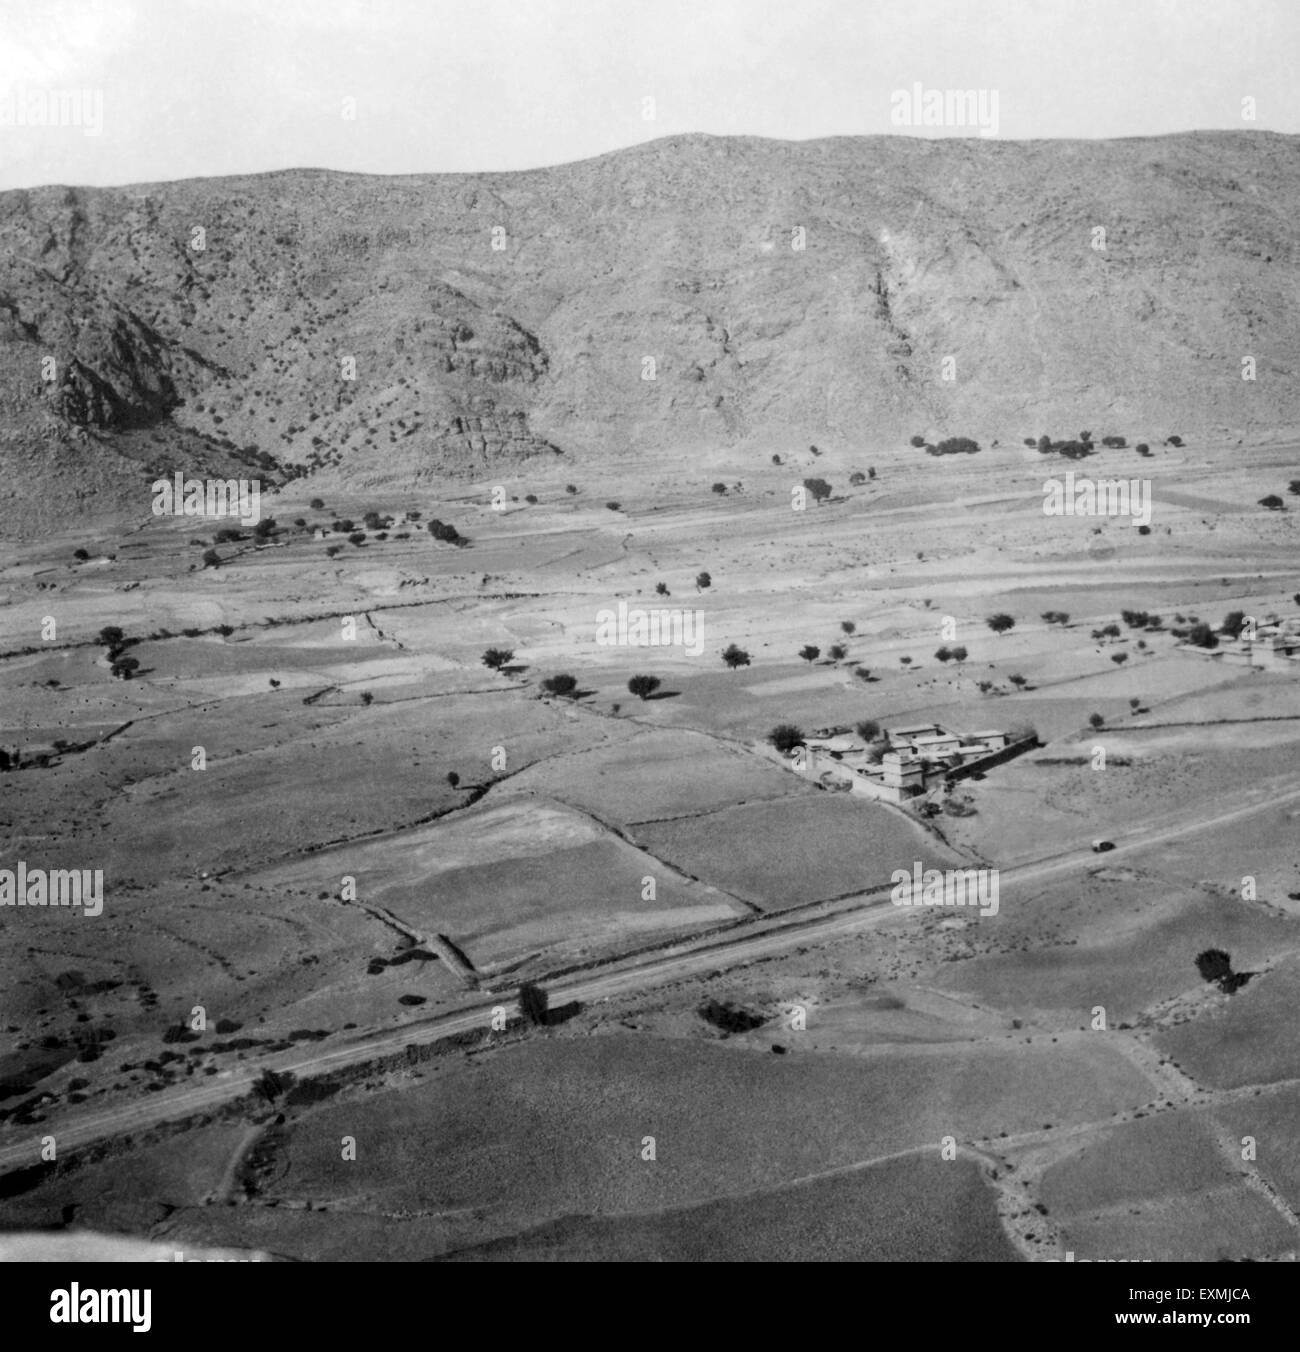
[(662, 302)]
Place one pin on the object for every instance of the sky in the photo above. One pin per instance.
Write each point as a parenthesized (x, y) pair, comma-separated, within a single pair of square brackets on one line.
[(99, 92)]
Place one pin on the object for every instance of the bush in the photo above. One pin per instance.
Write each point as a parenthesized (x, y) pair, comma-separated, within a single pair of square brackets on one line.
[(533, 1003), (957, 446), (643, 686), (785, 737), (729, 1018)]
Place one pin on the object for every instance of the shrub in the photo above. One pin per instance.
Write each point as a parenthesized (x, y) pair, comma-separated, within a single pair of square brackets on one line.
[(1000, 623), (818, 488), (719, 489), (957, 446), (1095, 720), (1273, 503), (837, 652), (1029, 441), (643, 686), (562, 684), (317, 504), (735, 657), (959, 654), (1115, 442), (570, 488), (613, 506), (661, 589), (531, 499), (857, 478), (918, 442), (730, 1018), (1173, 441), (533, 1003), (453, 778), (1213, 964), (943, 654), (80, 555), (785, 737), (847, 626), (809, 652), (703, 580)]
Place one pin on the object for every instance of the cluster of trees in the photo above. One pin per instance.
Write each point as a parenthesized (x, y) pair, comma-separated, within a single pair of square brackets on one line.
[(115, 640), (441, 530)]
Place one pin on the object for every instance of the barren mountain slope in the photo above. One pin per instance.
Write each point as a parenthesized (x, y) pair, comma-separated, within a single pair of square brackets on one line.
[(404, 330)]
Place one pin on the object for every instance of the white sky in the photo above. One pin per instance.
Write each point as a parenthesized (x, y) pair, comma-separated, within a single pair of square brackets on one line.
[(201, 87)]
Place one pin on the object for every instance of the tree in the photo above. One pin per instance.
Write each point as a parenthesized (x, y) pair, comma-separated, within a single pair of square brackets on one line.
[(1044, 444), (264, 528), (211, 559), (1119, 658), (959, 654), (857, 478), (1233, 623), (809, 652), (943, 654), (1293, 488), (570, 488), (1096, 720), (317, 504), (785, 737), (1273, 503), (918, 441), (367, 696), (847, 626), (533, 1003), (111, 636), (1135, 704), (719, 489), (868, 729), (1000, 623), (819, 489), (871, 471), (837, 652), (905, 660), (957, 446), (613, 506), (776, 459), (1085, 436), (862, 673), (735, 657), (453, 778), (1202, 636), (1019, 681), (661, 589), (80, 555), (1142, 448), (563, 684), (1173, 441), (124, 667), (1214, 964), (702, 580), (644, 686), (496, 658)]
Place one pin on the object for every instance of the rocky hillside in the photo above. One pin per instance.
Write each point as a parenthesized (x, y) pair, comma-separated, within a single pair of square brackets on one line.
[(408, 330)]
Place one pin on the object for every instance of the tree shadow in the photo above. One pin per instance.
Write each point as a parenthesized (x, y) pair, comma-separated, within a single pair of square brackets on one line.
[(663, 694), (559, 1014)]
